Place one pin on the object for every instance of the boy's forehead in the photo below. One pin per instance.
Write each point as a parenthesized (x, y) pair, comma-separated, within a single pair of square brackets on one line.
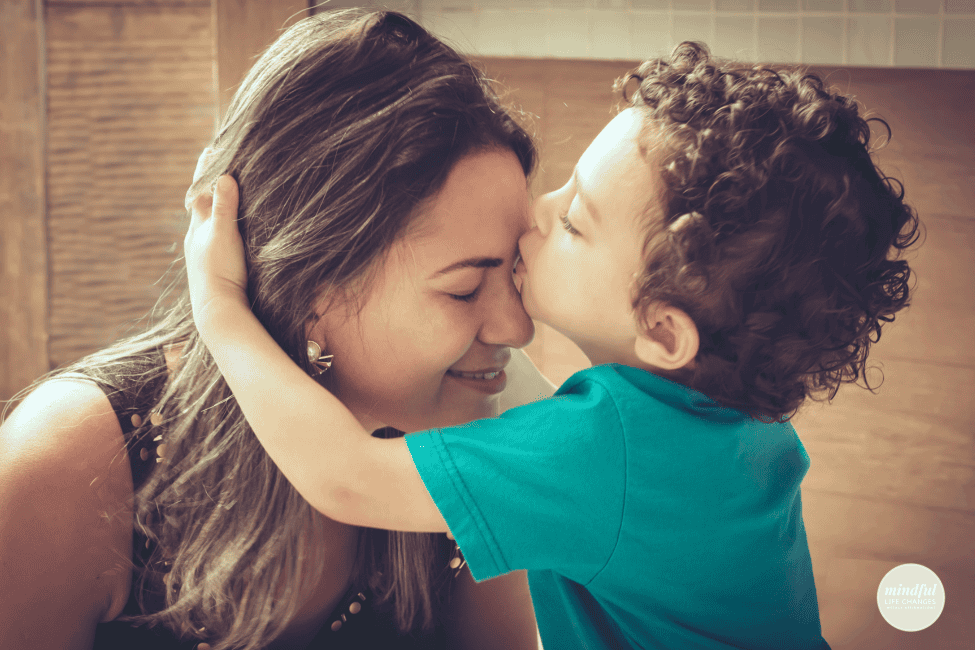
[(617, 167), (621, 133)]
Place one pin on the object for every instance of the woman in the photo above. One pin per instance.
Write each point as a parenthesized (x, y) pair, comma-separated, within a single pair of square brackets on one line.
[(378, 176)]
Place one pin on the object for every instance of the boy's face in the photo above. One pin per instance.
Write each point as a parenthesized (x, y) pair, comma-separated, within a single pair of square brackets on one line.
[(582, 256)]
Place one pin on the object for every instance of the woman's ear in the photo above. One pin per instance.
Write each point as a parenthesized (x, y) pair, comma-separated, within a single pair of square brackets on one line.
[(669, 338)]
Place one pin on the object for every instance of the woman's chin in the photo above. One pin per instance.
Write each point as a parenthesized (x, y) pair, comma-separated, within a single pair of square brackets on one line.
[(486, 406)]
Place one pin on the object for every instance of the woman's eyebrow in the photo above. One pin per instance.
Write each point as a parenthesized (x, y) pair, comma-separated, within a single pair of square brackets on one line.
[(472, 263)]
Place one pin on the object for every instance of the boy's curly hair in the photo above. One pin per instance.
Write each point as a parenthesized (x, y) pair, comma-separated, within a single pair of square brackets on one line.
[(779, 232)]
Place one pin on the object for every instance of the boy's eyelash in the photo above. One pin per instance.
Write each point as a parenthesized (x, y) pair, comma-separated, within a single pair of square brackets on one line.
[(564, 218)]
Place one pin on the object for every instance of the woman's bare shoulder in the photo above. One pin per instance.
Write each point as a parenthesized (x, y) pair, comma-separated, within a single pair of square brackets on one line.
[(65, 516)]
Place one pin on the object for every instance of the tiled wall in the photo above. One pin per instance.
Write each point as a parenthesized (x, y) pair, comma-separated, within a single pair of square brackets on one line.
[(904, 33)]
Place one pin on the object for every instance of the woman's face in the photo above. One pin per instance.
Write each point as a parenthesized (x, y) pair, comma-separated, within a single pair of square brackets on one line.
[(430, 344)]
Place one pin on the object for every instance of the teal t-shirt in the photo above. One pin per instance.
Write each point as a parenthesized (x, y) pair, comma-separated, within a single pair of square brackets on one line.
[(647, 515)]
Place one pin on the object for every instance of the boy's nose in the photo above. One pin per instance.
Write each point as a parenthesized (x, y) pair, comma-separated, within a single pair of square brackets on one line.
[(539, 212), (527, 244)]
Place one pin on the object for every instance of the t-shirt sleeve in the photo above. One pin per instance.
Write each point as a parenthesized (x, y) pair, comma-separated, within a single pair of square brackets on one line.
[(540, 487)]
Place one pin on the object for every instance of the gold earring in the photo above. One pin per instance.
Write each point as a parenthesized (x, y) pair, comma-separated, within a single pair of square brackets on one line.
[(322, 362)]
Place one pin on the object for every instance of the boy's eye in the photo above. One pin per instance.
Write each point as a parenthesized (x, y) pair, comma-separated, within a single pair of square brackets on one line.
[(569, 228)]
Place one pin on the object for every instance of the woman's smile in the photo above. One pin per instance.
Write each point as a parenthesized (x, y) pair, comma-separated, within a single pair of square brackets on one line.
[(488, 382)]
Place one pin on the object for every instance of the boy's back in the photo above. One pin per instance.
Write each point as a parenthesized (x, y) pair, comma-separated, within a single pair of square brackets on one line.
[(653, 518)]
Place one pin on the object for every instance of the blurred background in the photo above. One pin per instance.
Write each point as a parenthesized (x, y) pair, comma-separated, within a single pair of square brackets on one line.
[(105, 106)]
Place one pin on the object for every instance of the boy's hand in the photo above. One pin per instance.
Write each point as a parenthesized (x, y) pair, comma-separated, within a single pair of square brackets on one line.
[(214, 251)]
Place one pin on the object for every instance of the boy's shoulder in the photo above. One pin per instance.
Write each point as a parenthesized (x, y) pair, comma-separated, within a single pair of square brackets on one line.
[(644, 401), (642, 388)]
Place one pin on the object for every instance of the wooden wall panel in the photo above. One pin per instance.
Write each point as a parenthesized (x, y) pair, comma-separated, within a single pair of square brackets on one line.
[(243, 29), (131, 105), (23, 250)]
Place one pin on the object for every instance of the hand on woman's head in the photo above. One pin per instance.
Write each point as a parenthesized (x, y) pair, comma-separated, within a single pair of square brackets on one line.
[(215, 264), (202, 165)]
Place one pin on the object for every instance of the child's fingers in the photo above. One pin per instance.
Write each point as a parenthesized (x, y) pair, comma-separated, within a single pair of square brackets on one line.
[(213, 248), (225, 200), (201, 207), (202, 162), (201, 165)]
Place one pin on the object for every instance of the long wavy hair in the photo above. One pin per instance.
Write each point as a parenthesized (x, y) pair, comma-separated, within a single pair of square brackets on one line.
[(780, 237), (337, 137)]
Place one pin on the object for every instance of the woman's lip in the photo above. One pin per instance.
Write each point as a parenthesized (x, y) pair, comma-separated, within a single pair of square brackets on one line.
[(491, 386), (485, 371)]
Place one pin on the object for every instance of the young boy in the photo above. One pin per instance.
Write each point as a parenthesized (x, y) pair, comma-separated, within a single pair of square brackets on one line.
[(721, 252)]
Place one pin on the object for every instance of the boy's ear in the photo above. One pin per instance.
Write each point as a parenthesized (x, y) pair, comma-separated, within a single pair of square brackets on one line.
[(669, 340)]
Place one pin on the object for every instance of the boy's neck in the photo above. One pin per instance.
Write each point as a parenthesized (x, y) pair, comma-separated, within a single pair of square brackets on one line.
[(678, 376)]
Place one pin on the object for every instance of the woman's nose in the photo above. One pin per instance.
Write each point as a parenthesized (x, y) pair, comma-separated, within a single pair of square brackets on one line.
[(506, 322)]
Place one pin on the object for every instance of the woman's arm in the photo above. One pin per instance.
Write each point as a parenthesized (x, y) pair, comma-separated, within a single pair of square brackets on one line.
[(316, 442), (65, 524), (496, 613)]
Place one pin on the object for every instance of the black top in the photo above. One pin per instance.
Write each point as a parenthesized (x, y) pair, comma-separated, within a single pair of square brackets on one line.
[(356, 623)]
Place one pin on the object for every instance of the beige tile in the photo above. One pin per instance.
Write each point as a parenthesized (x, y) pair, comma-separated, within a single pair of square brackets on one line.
[(779, 5), (917, 6), (822, 39), (734, 37), (610, 33), (824, 5), (778, 40), (650, 35), (916, 42), (868, 40), (870, 6), (568, 34), (692, 27), (959, 6), (958, 46), (735, 5)]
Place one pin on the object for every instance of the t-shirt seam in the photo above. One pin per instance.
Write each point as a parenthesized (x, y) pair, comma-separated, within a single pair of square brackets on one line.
[(619, 530), (480, 521)]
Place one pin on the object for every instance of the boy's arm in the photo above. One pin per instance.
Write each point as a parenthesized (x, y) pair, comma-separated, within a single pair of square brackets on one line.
[(315, 441)]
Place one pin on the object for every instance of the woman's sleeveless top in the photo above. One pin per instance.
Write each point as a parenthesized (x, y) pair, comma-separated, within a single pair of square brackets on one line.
[(357, 623)]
